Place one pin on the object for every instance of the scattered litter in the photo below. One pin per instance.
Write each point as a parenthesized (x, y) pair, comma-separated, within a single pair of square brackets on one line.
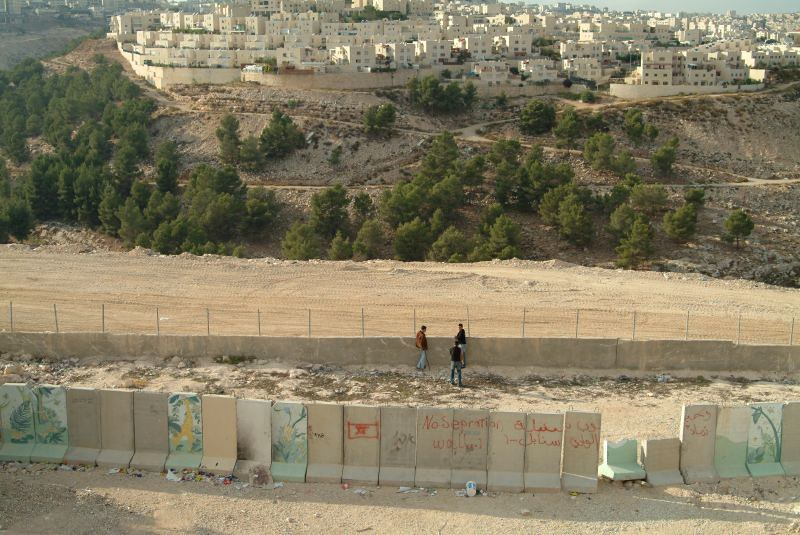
[(664, 378), (361, 492), (65, 468), (461, 493), (345, 486), (364, 529), (525, 512), (277, 485), (172, 476), (472, 488), (114, 471), (406, 490)]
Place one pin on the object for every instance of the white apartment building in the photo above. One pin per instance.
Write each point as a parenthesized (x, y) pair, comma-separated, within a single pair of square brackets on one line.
[(539, 69)]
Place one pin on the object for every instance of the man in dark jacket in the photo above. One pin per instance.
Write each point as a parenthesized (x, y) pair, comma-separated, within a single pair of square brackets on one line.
[(456, 362), (462, 343), (422, 345)]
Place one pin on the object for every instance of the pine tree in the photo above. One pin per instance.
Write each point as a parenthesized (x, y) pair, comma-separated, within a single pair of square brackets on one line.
[(229, 142), (341, 248), (636, 246), (738, 226), (680, 224)]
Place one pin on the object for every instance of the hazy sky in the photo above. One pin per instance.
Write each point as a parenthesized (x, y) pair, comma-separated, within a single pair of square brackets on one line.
[(706, 6)]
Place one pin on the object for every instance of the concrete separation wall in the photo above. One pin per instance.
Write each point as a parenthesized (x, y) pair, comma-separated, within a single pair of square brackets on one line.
[(557, 353)]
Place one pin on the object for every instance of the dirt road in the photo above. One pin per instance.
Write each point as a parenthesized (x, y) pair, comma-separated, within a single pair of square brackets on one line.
[(492, 297)]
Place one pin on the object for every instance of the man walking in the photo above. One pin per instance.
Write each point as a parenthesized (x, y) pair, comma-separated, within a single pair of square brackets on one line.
[(461, 337), (422, 345), (456, 363)]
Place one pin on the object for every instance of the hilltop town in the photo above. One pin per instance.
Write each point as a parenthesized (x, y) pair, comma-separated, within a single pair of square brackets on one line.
[(494, 45)]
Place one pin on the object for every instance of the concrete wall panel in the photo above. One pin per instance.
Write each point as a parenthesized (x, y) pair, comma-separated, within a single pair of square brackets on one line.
[(790, 439), (730, 442), (434, 447), (116, 428), (185, 426), (150, 438), (543, 440), (219, 434), (581, 450), (254, 436), (506, 452), (325, 442), (661, 461), (764, 440), (698, 432), (398, 446), (470, 446), (17, 428), (362, 444), (289, 441), (50, 419), (83, 418)]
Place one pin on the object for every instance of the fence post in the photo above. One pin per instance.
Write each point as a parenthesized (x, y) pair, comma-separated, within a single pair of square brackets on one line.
[(55, 316), (791, 333), (259, 321), (468, 333), (577, 321), (739, 329), (11, 314), (103, 317), (634, 326), (158, 327), (208, 323), (686, 332), (524, 313), (362, 322)]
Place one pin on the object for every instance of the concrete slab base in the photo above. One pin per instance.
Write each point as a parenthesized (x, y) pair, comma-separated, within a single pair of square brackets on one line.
[(700, 475), (222, 466), (766, 469), (87, 456), (432, 477), (243, 468), (48, 453), (360, 475), (578, 483), (621, 473), (664, 478), (324, 473), (114, 458), (293, 473), (541, 483), (20, 453), (151, 461), (180, 461), (502, 481), (459, 478), (791, 468), (396, 476)]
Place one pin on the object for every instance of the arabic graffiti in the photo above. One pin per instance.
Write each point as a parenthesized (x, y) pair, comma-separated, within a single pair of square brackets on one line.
[(697, 424)]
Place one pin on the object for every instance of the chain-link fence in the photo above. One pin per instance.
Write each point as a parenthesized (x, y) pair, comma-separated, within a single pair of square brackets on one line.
[(280, 319)]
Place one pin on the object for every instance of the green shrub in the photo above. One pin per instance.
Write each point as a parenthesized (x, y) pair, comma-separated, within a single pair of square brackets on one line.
[(680, 224), (301, 242), (537, 117), (412, 240)]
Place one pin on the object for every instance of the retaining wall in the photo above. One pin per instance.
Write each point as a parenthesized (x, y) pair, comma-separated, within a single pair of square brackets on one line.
[(634, 91), (556, 353)]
